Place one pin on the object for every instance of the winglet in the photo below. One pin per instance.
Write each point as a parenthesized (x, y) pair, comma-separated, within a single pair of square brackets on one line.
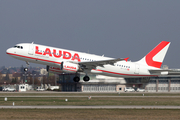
[(126, 59)]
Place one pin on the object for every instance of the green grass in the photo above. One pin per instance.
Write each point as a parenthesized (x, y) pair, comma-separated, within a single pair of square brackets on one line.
[(90, 114), (93, 101)]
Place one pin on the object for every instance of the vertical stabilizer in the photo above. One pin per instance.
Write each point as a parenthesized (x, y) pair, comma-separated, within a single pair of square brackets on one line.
[(156, 56)]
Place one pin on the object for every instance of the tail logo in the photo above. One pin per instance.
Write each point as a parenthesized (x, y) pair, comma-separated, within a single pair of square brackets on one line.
[(149, 57)]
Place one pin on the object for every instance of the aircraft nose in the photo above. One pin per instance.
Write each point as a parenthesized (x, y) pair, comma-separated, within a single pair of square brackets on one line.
[(8, 51)]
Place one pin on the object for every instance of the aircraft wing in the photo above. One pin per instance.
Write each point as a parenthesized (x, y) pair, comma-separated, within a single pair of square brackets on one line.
[(165, 72), (94, 64)]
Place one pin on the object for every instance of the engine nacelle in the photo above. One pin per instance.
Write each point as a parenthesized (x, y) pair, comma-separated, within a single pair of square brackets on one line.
[(69, 67)]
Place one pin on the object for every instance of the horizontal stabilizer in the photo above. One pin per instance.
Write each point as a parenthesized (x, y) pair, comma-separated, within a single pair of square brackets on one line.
[(165, 72)]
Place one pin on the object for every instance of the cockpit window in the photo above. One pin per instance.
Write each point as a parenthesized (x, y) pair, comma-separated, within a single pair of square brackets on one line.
[(20, 47)]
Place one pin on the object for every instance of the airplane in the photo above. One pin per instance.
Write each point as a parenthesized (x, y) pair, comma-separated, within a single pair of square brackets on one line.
[(67, 61)]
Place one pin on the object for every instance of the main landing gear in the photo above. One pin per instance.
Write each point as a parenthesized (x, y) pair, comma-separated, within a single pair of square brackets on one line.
[(85, 78), (76, 79)]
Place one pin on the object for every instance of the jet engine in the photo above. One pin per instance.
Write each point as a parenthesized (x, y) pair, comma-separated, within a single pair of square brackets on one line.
[(69, 67)]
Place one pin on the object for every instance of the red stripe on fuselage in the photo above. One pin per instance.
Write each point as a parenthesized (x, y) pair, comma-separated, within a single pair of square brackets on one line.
[(125, 74), (33, 58)]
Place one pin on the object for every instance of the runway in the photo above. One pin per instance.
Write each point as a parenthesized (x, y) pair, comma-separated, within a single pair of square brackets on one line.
[(90, 107), (20, 96)]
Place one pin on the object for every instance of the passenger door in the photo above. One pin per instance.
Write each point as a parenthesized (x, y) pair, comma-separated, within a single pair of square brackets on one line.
[(31, 49)]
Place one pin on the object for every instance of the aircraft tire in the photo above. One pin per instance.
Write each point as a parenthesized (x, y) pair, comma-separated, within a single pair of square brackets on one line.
[(76, 79), (86, 78)]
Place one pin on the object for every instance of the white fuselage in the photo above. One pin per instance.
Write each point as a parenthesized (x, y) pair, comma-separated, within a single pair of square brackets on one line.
[(52, 56)]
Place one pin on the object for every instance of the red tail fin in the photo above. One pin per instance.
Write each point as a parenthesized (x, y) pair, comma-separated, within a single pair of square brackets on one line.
[(156, 56)]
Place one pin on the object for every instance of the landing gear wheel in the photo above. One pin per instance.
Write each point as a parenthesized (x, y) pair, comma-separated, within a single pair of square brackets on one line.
[(25, 69), (86, 78), (76, 79)]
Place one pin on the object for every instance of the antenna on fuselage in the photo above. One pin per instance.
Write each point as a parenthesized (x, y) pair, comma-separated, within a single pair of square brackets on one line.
[(32, 43)]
